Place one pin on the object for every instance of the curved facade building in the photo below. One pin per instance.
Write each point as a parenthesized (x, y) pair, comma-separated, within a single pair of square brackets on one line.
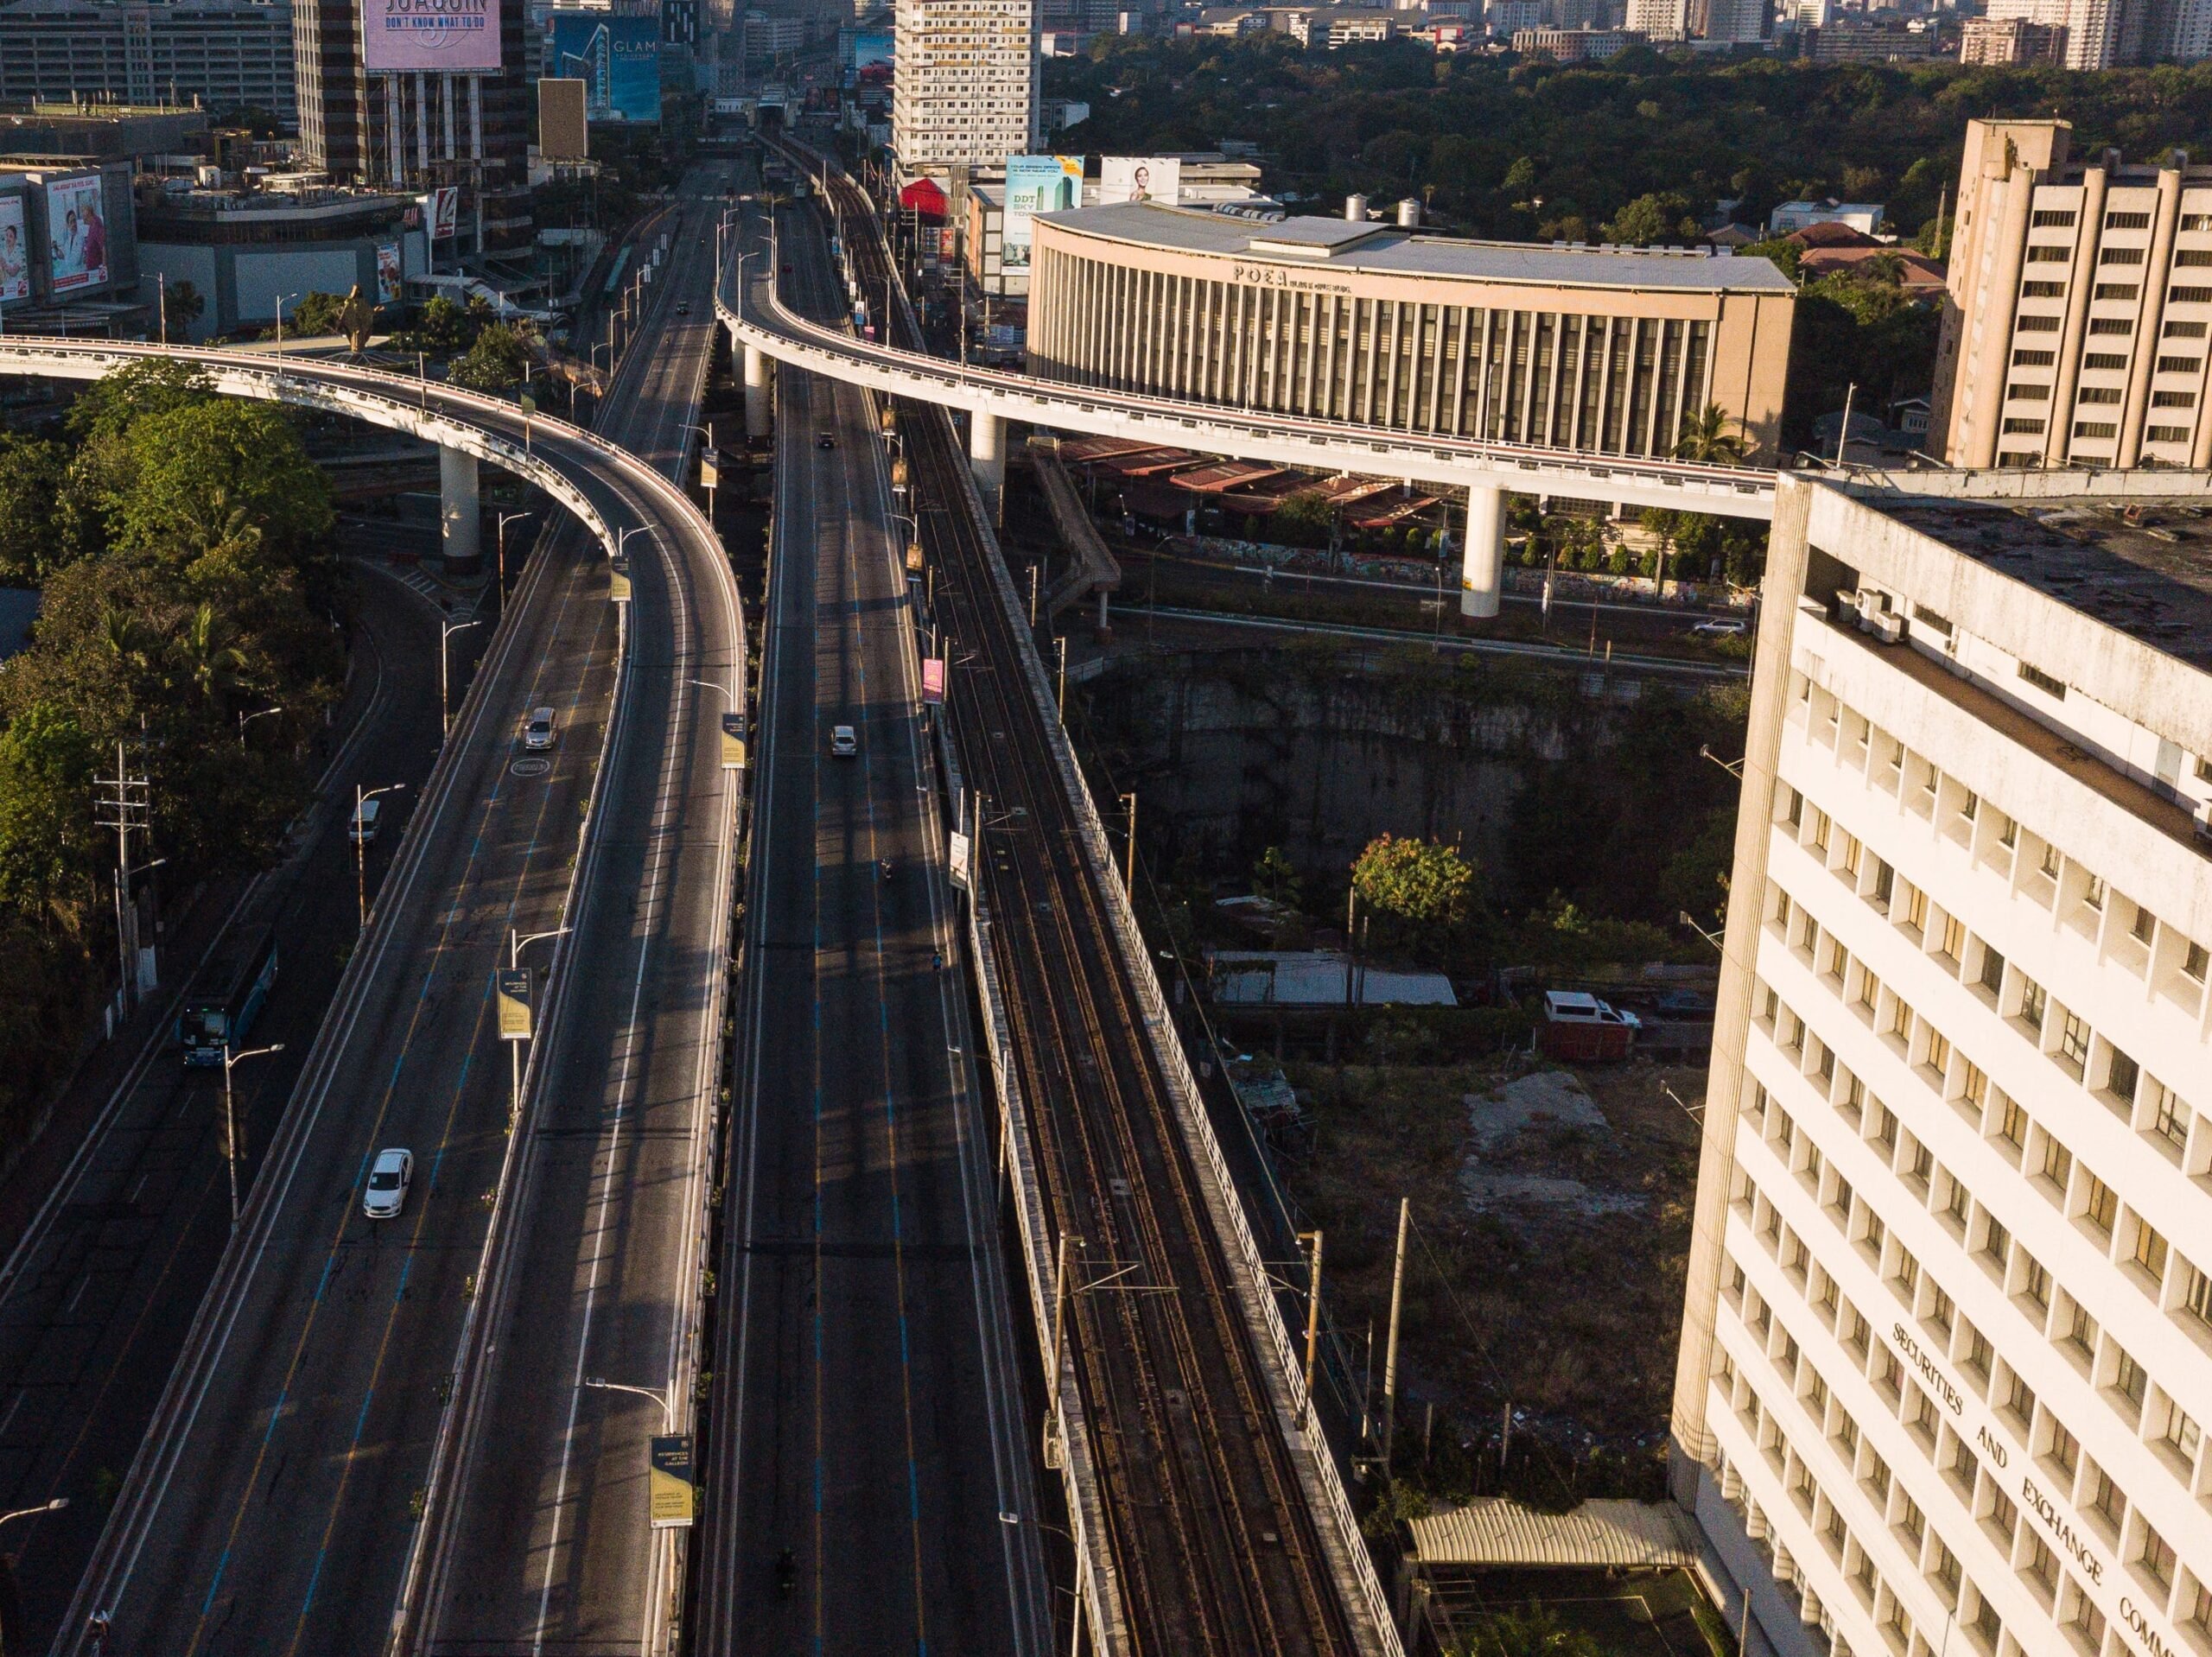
[(1595, 349)]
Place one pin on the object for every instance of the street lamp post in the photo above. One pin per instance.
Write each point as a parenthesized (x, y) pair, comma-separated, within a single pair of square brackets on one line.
[(506, 518), (54, 1506), (231, 1062), (516, 943), (445, 707), (247, 719), (601, 1384), (280, 298), (361, 797)]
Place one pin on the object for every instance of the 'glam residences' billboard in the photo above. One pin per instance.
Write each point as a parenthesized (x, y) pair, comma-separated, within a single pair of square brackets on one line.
[(617, 58), (437, 36)]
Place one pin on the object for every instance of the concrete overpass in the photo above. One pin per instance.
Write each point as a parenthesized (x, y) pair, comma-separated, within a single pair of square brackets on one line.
[(764, 329)]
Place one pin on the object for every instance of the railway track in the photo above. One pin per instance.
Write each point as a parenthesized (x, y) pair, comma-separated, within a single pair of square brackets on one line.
[(1216, 1546)]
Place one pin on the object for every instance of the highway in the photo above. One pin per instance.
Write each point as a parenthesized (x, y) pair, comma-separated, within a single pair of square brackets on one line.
[(869, 1419), (97, 1293), (273, 1505), (547, 1545), (1215, 1532)]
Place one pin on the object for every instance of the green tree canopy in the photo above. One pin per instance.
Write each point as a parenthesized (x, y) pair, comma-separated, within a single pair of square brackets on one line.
[(34, 540), (495, 362), (1534, 1631), (1423, 884)]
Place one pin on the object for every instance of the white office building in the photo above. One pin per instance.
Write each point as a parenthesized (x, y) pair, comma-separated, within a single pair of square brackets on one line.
[(1948, 1347), (966, 93)]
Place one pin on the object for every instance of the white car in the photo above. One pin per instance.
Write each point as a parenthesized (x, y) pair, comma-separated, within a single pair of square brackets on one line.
[(538, 734), (844, 742), (364, 828), (1721, 627), (389, 1176)]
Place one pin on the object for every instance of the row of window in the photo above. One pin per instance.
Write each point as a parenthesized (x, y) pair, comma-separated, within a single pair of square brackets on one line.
[(2123, 291), (2024, 1542), (2147, 1411), (2117, 219), (2035, 392), (2107, 361), (2123, 931)]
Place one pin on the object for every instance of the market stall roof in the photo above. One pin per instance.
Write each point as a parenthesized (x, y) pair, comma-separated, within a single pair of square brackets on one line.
[(1221, 476)]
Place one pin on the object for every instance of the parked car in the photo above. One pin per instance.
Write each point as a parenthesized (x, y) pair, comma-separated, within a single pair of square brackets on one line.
[(364, 828), (1577, 1026), (1721, 627), (389, 1177)]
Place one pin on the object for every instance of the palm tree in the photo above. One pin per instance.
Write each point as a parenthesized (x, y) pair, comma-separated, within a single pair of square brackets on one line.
[(1711, 436), (207, 647), (128, 639)]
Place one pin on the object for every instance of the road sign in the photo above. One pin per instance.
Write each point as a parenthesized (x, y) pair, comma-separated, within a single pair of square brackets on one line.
[(674, 1496), (514, 1005), (733, 742)]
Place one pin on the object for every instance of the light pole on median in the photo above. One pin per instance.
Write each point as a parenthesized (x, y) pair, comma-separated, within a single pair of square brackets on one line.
[(601, 1384), (280, 298), (445, 704), (516, 943), (361, 797), (231, 1062), (246, 719), (506, 518)]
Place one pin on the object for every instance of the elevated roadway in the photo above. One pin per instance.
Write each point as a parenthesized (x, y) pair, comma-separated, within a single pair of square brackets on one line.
[(764, 328), (314, 1429)]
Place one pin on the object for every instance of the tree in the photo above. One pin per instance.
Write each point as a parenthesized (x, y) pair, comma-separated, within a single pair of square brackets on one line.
[(1534, 1631), (206, 649), (1711, 436), (443, 326), (318, 313), (185, 305), (33, 475), (1275, 877), (191, 468), (496, 362), (1424, 890), (1652, 217)]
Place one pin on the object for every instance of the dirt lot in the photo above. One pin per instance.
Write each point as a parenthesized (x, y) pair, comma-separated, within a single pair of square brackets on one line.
[(1550, 1231)]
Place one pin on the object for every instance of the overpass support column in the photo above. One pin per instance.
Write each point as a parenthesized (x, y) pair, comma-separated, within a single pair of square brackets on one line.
[(1482, 575), (987, 456), (460, 516), (756, 392)]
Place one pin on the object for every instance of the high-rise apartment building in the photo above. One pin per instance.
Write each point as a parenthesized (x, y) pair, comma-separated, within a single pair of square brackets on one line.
[(967, 87), (222, 54), (1993, 41), (2081, 297), (1947, 1358)]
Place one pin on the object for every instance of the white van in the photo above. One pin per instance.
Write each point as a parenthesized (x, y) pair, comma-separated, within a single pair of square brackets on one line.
[(365, 821)]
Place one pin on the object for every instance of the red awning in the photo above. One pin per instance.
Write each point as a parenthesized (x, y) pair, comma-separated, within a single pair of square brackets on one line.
[(923, 196)]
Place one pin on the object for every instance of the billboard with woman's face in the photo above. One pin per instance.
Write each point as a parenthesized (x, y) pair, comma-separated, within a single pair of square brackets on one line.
[(15, 251), (76, 232)]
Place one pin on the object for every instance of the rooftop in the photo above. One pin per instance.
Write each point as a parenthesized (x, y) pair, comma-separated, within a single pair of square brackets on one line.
[(1343, 245), (2145, 570)]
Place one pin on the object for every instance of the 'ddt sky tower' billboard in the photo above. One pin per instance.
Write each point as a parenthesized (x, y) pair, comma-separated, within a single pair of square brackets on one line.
[(617, 58)]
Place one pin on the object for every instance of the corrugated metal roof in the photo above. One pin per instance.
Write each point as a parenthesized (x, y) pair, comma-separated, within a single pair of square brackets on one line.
[(1495, 1530), (1387, 250)]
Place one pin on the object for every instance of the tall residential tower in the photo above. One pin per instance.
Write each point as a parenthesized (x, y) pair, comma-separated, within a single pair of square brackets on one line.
[(966, 90)]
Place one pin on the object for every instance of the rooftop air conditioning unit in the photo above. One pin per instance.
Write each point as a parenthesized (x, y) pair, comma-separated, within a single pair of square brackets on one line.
[(1888, 626), (2204, 820)]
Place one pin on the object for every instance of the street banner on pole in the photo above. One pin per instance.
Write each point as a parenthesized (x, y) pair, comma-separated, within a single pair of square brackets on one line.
[(514, 1005), (673, 1497)]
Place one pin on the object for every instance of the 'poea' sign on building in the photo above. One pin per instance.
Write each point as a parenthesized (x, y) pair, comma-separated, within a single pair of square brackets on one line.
[(437, 36)]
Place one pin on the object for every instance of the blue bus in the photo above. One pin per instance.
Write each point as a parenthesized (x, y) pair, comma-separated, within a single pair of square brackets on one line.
[(224, 996)]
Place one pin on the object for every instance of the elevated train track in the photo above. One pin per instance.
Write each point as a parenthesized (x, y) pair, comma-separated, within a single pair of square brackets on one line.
[(1224, 1529)]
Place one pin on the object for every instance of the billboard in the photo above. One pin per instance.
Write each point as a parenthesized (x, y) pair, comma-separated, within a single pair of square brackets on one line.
[(437, 36), (1139, 178), (442, 211), (76, 233), (863, 50), (617, 58), (1035, 184), (15, 251), (388, 282)]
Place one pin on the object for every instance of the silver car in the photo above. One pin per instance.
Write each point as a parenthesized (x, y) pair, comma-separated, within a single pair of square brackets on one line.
[(389, 1177)]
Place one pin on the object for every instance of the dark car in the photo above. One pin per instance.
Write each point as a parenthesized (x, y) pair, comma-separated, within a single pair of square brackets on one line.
[(825, 439)]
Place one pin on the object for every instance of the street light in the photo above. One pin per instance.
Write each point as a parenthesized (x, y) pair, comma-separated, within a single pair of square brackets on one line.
[(506, 518), (231, 1062), (54, 1506), (601, 1384), (361, 797), (516, 944), (280, 298), (445, 710), (246, 719)]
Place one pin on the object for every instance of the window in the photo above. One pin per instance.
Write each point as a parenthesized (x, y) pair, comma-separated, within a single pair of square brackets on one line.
[(2095, 429), (2013, 1123), (2033, 999), (2196, 959), (2119, 220), (2110, 361), (1981, 1356), (2120, 255), (2157, 1557), (2104, 1498), (2027, 392), (2041, 324), (2035, 1281), (2170, 1117), (2150, 1250), (2034, 358), (2057, 1163), (2049, 685), (2111, 324), (1998, 1243), (2040, 1563), (2049, 253), (2180, 364), (2102, 1210), (2065, 1451), (2019, 1401), (2024, 426), (2080, 1330), (1951, 939), (2121, 1074), (2181, 1435), (2119, 290), (2128, 1378), (2052, 219), (2098, 394), (2173, 399), (2072, 1040), (1942, 1309), (2165, 434), (2185, 331), (2196, 1296), (2189, 295)]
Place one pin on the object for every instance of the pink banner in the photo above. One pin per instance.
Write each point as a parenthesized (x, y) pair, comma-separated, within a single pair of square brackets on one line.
[(933, 680)]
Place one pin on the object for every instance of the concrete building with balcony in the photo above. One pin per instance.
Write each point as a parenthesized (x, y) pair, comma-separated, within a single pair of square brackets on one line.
[(2081, 303), (1947, 1351), (966, 94), (1597, 349)]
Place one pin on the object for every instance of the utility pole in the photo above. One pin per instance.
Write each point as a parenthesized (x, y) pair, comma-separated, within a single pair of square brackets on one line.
[(1055, 1425), (1312, 1319), (1063, 643), (1390, 1342), (122, 802), (1129, 878)]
